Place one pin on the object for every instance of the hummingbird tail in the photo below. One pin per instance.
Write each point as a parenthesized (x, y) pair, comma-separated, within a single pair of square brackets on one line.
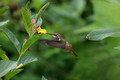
[(73, 52)]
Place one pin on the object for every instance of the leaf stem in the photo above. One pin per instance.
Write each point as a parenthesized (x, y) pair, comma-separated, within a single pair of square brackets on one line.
[(32, 33), (19, 58)]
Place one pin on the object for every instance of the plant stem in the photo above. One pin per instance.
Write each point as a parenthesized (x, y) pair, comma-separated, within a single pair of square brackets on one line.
[(19, 58), (33, 29)]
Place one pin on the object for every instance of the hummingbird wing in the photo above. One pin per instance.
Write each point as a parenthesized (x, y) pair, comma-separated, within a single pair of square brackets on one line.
[(53, 43)]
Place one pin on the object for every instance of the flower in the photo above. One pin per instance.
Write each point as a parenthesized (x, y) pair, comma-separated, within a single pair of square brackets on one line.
[(29, 49), (40, 31), (25, 40), (19, 66), (33, 20)]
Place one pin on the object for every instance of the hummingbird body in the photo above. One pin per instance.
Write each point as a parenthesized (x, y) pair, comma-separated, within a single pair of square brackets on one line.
[(58, 42)]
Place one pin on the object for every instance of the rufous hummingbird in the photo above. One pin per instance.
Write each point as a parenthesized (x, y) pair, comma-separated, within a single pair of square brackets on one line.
[(58, 42)]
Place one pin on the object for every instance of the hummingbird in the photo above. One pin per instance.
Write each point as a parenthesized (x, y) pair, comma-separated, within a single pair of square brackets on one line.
[(58, 42)]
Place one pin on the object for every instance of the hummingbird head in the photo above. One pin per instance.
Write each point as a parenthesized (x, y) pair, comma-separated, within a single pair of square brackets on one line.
[(56, 36)]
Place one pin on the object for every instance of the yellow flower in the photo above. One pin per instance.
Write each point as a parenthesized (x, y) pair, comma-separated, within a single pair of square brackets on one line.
[(40, 31), (19, 66)]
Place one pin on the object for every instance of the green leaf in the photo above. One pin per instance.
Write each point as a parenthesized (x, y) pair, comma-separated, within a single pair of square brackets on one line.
[(118, 47), (13, 73), (41, 11), (26, 60), (103, 33), (27, 20), (2, 10), (29, 43), (0, 79), (43, 78), (3, 23), (39, 21), (3, 55), (28, 3), (116, 2), (6, 66), (12, 38)]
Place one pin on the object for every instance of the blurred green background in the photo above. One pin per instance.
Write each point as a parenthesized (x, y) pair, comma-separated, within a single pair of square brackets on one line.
[(74, 19)]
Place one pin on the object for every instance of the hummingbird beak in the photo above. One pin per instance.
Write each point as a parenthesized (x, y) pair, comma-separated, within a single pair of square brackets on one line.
[(49, 33)]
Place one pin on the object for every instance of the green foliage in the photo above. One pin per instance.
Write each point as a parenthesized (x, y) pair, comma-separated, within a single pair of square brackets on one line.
[(3, 55), (12, 38), (103, 33), (13, 73), (27, 20), (115, 2), (29, 43), (41, 11), (39, 22), (43, 78), (27, 60), (2, 10), (77, 6), (6, 66), (106, 16), (98, 56), (109, 16), (118, 47), (3, 23)]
